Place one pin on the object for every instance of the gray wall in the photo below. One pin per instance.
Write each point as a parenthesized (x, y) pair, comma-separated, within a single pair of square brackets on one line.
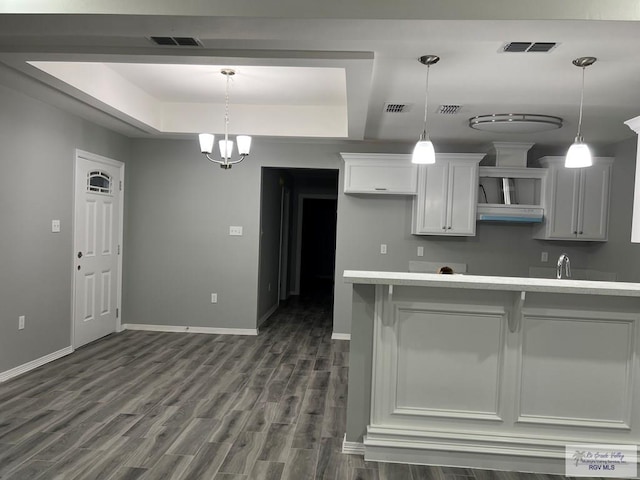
[(37, 152), (619, 254), (177, 247)]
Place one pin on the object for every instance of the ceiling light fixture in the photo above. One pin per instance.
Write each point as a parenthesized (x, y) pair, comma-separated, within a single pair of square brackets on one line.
[(226, 145), (515, 122), (579, 155), (423, 152)]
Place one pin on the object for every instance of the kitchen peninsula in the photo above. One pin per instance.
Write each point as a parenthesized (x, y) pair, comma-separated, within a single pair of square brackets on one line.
[(490, 372)]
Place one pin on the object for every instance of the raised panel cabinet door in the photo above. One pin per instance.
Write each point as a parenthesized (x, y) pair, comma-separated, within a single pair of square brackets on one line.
[(563, 217), (462, 202), (593, 216), (96, 260), (430, 206)]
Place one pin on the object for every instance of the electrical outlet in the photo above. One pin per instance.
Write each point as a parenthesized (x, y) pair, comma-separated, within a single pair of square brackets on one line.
[(214, 298), (383, 248), (55, 226), (421, 251), (235, 231), (544, 257), (21, 322)]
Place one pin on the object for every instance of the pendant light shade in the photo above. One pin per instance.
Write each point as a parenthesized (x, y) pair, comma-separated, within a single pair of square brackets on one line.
[(206, 142), (423, 152), (579, 155)]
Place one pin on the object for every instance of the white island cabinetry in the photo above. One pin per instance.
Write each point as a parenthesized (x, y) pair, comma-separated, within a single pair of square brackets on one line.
[(447, 196), (491, 372), (576, 201)]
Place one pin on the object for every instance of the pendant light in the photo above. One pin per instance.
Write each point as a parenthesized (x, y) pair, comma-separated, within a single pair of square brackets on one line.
[(579, 155), (226, 145), (423, 152)]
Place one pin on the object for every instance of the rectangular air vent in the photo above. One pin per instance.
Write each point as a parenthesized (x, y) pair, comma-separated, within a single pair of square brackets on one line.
[(528, 46), (449, 109), (176, 41), (397, 107)]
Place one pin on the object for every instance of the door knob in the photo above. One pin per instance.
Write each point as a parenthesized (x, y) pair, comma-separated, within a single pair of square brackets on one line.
[(79, 254)]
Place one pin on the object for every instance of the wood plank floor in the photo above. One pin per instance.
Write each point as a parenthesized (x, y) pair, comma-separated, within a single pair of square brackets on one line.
[(147, 405)]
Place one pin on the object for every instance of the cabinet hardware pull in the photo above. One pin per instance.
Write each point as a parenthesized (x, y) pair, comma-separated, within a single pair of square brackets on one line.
[(580, 233), (379, 188)]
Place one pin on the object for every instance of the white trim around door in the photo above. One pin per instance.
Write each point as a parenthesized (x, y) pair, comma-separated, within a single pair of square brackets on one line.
[(81, 155)]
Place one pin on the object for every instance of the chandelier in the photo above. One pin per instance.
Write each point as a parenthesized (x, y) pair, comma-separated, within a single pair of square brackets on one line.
[(226, 145)]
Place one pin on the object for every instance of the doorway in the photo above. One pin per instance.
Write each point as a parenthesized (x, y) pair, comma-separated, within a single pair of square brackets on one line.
[(297, 214), (318, 245), (97, 263)]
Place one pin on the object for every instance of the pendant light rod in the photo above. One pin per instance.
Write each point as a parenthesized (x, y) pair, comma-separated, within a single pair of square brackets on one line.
[(582, 62), (427, 60)]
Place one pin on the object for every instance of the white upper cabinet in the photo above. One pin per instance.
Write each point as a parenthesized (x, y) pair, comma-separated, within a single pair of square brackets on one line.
[(576, 201), (447, 196), (379, 173)]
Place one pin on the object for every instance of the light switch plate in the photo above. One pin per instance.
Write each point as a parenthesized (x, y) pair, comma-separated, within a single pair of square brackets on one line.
[(544, 257), (235, 231), (55, 226), (420, 251), (383, 248)]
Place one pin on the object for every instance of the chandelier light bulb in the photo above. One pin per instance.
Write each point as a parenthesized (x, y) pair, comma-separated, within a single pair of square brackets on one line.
[(206, 142)]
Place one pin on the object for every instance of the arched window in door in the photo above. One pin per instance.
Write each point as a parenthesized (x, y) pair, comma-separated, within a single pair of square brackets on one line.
[(99, 182)]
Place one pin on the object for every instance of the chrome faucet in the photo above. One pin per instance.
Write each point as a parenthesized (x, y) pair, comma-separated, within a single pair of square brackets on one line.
[(563, 261)]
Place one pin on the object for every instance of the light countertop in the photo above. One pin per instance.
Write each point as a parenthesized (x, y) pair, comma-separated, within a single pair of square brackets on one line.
[(480, 282)]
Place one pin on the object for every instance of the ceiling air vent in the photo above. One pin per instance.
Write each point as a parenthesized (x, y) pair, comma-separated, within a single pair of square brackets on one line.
[(176, 41), (449, 109), (396, 107), (528, 46)]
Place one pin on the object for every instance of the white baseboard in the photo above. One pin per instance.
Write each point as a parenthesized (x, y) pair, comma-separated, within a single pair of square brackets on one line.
[(183, 329), (38, 362), (352, 448), (340, 336), (266, 316)]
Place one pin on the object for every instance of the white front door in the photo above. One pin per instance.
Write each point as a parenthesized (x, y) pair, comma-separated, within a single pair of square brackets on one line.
[(97, 236)]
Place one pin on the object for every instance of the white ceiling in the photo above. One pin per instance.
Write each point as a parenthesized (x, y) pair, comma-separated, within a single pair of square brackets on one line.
[(331, 77)]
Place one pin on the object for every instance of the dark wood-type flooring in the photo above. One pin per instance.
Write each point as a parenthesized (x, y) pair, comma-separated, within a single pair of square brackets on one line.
[(148, 405)]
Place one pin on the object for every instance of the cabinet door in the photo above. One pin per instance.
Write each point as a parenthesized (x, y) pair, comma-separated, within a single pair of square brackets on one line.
[(430, 206), (462, 198), (593, 213), (563, 217), (381, 177)]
